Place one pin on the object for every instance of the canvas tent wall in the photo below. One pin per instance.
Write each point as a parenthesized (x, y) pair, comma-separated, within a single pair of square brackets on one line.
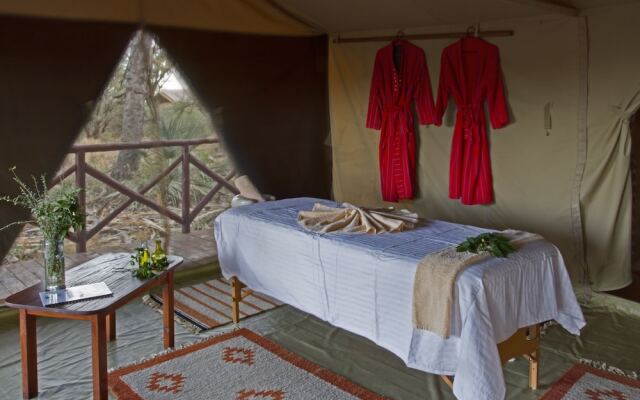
[(561, 168), (533, 172)]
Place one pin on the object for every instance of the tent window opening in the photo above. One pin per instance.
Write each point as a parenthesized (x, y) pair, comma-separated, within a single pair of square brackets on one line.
[(149, 158)]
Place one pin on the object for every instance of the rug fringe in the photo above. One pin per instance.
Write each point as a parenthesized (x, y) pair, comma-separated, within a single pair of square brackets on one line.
[(146, 299), (610, 368)]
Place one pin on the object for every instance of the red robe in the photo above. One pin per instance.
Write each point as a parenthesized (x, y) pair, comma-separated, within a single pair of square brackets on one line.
[(392, 90), (470, 72)]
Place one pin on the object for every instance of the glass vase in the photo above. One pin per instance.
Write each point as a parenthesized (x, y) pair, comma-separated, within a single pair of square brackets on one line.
[(54, 264)]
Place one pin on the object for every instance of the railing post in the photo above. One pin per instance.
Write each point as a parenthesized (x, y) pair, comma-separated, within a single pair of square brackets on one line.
[(81, 244), (186, 182)]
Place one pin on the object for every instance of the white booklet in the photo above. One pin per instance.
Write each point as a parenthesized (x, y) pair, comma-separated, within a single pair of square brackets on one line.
[(75, 293)]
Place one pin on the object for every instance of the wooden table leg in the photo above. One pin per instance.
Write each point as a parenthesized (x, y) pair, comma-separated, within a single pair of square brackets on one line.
[(448, 380), (236, 298), (534, 370), (111, 326), (167, 311), (99, 357), (29, 350)]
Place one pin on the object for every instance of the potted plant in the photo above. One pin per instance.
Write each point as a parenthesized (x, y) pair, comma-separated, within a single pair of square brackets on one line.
[(56, 212)]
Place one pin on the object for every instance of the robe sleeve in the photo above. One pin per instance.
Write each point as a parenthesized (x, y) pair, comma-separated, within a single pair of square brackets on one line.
[(374, 113), (423, 96), (498, 113), (444, 89)]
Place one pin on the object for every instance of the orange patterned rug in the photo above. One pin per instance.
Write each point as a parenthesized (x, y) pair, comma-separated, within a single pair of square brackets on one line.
[(240, 365), (583, 382), (208, 304)]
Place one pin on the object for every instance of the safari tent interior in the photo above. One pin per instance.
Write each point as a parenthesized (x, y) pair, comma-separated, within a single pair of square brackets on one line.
[(290, 85)]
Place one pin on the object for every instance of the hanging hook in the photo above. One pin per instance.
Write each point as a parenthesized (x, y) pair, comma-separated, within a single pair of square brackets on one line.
[(476, 29), (470, 30), (400, 34)]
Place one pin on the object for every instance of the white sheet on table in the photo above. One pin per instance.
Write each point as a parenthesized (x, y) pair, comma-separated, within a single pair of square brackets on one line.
[(364, 284)]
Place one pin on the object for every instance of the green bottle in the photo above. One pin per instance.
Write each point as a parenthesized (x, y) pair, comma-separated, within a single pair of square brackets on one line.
[(159, 257), (145, 259)]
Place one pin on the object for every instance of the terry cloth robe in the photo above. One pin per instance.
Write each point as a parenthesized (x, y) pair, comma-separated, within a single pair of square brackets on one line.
[(470, 72), (396, 82)]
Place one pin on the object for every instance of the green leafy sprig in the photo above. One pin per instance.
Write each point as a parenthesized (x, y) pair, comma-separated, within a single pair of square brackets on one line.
[(54, 211), (149, 269), (494, 243), (143, 273)]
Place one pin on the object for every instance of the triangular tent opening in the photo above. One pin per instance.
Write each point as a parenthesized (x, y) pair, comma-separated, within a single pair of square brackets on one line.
[(148, 105)]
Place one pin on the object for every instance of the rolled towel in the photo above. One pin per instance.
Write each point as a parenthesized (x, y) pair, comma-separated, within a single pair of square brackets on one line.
[(247, 189)]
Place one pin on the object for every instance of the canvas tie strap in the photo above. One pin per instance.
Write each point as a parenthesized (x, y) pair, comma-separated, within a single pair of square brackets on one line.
[(435, 279), (354, 219)]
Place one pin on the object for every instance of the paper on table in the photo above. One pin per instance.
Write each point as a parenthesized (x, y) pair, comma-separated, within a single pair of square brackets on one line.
[(75, 294)]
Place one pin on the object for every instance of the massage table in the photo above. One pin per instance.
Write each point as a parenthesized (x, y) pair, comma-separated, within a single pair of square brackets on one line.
[(364, 284)]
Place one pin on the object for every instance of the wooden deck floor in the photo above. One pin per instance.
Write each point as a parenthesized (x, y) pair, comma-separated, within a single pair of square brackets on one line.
[(197, 248)]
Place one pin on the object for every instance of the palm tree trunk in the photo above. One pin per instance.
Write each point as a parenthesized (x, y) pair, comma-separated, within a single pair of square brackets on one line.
[(135, 83)]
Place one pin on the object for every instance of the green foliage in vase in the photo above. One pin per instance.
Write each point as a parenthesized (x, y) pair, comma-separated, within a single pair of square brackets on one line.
[(55, 211), (494, 243)]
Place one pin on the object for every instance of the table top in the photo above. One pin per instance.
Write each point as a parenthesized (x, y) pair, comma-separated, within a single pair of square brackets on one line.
[(110, 268)]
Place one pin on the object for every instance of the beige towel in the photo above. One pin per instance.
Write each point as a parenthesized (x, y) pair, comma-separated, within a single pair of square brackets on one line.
[(435, 279), (353, 219)]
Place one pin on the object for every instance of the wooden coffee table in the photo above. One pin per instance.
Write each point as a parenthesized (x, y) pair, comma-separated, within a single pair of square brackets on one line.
[(101, 312)]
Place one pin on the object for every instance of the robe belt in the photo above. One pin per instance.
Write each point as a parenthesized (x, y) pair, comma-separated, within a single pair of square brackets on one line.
[(399, 113), (393, 108), (470, 122)]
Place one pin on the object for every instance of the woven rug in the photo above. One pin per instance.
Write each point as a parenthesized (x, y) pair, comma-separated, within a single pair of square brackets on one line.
[(583, 382), (240, 365), (208, 304)]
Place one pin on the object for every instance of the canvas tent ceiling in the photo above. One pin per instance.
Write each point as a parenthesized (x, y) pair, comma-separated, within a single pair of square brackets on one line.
[(246, 16), (579, 173), (301, 17), (362, 15)]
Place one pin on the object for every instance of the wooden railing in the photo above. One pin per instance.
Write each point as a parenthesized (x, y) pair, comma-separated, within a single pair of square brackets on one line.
[(82, 169)]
